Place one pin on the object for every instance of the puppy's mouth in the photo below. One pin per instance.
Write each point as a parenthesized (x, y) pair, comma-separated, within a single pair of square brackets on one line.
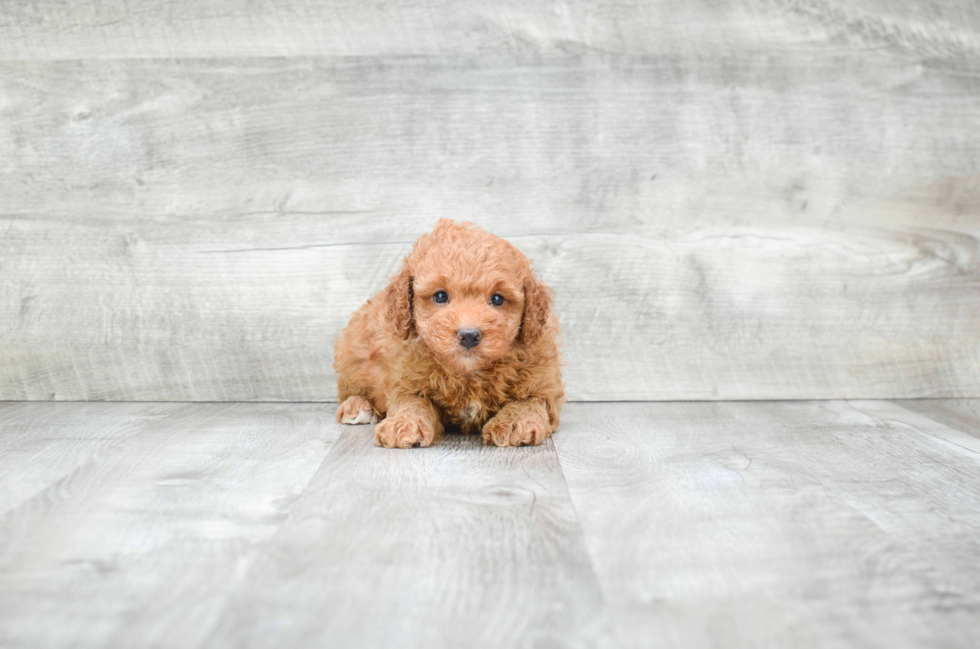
[(458, 358), (470, 356), (469, 360)]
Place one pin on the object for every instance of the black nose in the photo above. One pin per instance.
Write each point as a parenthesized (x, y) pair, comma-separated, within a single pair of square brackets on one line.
[(469, 338)]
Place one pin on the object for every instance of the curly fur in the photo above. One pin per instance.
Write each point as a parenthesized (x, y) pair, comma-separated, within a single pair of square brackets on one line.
[(399, 359)]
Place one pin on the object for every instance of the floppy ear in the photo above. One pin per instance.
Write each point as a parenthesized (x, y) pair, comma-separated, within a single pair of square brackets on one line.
[(537, 309), (398, 304)]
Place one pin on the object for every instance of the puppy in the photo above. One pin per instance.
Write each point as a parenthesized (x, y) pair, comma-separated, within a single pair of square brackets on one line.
[(464, 337)]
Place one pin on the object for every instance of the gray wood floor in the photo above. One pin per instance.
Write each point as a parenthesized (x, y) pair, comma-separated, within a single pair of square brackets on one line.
[(735, 524)]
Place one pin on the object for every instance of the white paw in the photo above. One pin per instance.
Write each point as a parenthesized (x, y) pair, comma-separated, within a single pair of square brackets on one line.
[(362, 417), (357, 410)]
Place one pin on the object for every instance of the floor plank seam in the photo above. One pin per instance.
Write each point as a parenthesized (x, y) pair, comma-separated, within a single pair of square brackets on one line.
[(580, 532), (260, 548)]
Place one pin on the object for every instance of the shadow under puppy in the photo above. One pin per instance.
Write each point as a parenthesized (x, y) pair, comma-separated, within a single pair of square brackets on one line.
[(463, 336)]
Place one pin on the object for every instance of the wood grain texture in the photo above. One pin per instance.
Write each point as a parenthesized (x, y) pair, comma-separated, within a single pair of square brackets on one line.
[(723, 226), (454, 545), (808, 524), (39, 446), (140, 546), (777, 524), (959, 414), (56, 29)]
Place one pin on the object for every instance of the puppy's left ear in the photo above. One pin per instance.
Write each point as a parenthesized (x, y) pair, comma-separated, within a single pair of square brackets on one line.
[(537, 309), (398, 304)]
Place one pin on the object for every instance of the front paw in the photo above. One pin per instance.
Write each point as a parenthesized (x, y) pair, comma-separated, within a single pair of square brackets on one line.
[(356, 410), (404, 430), (515, 430)]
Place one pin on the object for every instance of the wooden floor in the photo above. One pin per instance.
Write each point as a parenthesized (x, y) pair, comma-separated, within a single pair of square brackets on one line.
[(733, 524)]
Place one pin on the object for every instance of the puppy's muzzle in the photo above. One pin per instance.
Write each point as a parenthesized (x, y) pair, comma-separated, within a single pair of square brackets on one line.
[(469, 338)]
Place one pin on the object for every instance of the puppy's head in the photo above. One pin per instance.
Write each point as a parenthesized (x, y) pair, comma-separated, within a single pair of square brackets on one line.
[(469, 296)]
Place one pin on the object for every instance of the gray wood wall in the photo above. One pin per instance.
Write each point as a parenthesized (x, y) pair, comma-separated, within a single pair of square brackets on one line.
[(733, 199)]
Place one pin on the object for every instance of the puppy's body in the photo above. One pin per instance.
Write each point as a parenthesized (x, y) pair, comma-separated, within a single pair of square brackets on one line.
[(484, 359)]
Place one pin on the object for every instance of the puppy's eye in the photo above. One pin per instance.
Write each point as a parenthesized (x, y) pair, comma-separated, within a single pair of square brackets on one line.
[(496, 299), (441, 297)]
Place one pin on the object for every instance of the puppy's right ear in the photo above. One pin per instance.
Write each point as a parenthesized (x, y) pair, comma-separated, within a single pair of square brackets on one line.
[(398, 304)]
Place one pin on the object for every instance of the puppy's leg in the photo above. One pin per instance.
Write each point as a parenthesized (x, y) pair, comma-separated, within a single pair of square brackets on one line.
[(519, 423), (410, 422), (357, 410)]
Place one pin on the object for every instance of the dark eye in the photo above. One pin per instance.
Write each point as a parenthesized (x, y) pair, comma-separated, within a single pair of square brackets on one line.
[(496, 299), (441, 297)]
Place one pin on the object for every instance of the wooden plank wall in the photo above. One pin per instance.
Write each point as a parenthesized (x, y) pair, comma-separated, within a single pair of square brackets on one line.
[(733, 200)]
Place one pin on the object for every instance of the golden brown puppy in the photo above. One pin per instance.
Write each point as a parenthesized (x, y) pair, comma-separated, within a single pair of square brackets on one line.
[(463, 336)]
